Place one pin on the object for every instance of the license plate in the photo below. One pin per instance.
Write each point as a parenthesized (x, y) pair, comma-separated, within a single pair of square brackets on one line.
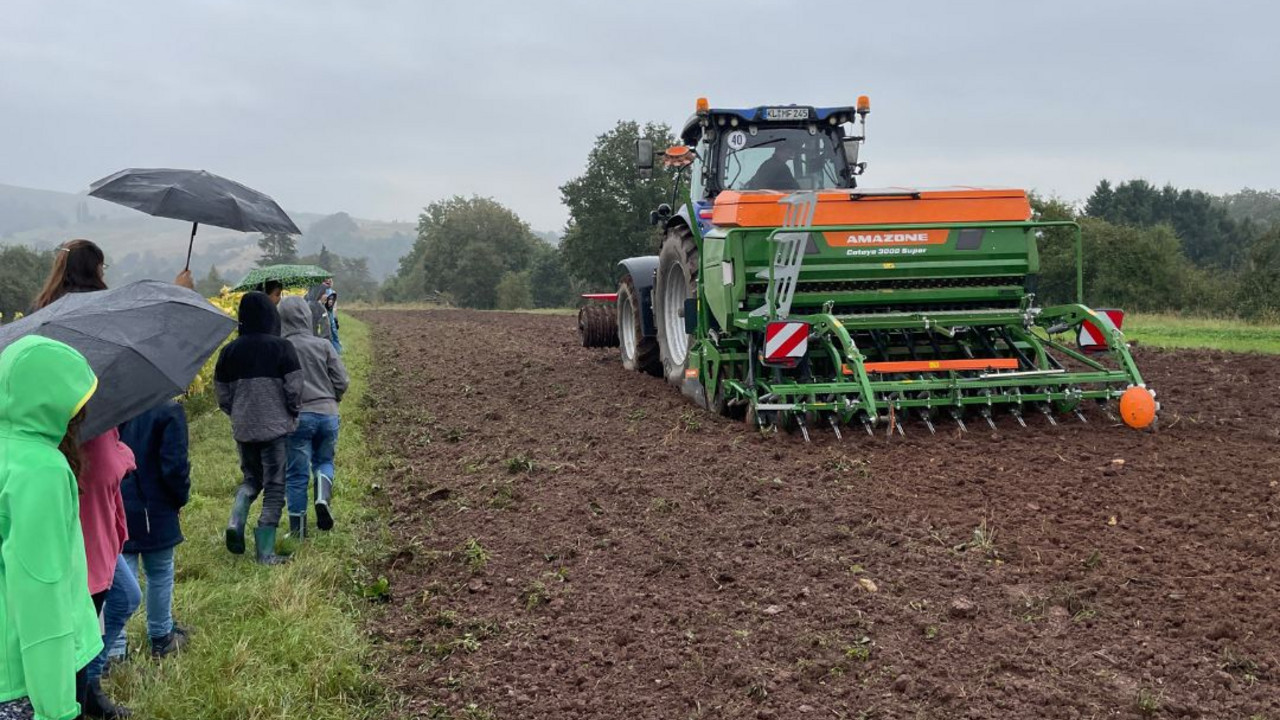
[(786, 113)]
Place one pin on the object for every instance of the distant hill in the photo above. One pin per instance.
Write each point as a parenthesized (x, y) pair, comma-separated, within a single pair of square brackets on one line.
[(141, 246)]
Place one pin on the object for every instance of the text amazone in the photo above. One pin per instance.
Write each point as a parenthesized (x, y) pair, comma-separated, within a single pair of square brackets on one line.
[(908, 237)]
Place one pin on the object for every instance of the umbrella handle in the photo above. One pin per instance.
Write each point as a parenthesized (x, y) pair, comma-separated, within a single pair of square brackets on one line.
[(191, 245)]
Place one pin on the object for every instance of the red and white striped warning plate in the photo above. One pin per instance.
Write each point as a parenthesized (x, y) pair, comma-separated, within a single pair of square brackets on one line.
[(1091, 338), (785, 341)]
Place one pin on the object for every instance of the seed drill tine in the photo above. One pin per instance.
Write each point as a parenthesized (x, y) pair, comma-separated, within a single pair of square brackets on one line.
[(1080, 415), (866, 423), (1017, 415), (800, 424), (987, 414), (1048, 415), (835, 426), (959, 421), (928, 423), (901, 431)]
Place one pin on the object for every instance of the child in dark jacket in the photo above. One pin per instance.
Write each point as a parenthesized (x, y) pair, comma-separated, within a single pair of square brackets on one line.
[(259, 384), (153, 495)]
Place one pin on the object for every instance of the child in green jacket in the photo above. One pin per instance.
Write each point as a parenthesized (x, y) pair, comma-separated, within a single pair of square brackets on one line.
[(51, 628)]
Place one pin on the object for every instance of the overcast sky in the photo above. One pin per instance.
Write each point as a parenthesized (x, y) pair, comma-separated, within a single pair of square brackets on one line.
[(380, 107)]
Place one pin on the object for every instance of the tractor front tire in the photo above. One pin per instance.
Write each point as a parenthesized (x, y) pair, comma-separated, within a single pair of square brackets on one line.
[(677, 281), (639, 353)]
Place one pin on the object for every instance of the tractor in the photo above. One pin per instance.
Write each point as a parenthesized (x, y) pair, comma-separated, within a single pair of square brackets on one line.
[(787, 295)]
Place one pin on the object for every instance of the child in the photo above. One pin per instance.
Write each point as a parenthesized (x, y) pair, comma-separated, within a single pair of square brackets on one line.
[(311, 447), (78, 267), (51, 624), (330, 301), (153, 496), (259, 384)]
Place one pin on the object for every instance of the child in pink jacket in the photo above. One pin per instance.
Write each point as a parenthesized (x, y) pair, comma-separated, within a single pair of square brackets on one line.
[(105, 526)]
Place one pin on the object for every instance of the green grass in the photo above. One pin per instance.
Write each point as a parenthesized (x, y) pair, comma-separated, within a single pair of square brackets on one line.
[(282, 642), (1174, 331)]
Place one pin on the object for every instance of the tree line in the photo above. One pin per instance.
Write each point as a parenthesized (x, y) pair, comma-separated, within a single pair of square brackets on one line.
[(1164, 249)]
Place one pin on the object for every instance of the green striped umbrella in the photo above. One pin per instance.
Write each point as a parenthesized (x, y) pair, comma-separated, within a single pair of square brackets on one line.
[(290, 276)]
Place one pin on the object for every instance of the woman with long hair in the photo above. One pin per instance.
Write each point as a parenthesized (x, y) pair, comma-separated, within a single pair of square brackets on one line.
[(51, 631), (78, 267)]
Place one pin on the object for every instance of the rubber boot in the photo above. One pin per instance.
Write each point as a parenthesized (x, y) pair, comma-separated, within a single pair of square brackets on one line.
[(324, 493), (298, 526), (235, 526), (169, 644), (264, 538), (98, 705)]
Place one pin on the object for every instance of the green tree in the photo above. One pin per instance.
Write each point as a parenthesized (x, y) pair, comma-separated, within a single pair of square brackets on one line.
[(212, 283), (326, 259), (464, 247), (549, 279), (1136, 268), (1099, 203), (514, 291), (1057, 248), (1259, 297), (1209, 236), (277, 249), (609, 204), (1262, 207), (22, 273)]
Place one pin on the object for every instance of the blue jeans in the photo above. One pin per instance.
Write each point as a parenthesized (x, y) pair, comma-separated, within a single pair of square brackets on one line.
[(333, 332), (158, 566), (311, 449), (122, 602)]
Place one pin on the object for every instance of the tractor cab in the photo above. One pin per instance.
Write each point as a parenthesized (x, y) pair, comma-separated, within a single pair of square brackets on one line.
[(787, 148)]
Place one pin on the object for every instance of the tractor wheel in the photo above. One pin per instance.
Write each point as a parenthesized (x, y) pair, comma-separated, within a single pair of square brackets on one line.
[(639, 353), (677, 282)]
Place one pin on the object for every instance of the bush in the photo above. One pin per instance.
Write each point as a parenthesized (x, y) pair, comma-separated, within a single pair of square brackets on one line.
[(1259, 294), (514, 291)]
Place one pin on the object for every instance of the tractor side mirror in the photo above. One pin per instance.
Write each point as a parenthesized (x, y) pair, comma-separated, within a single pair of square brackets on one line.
[(644, 154), (851, 147), (661, 215)]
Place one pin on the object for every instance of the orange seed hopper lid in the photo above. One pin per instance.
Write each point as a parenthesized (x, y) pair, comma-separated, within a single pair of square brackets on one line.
[(881, 206)]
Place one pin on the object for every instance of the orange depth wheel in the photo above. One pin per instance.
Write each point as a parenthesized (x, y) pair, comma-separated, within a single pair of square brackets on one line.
[(1138, 408)]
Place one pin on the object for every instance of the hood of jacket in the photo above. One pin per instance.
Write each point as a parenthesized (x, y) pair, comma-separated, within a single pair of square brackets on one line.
[(296, 317), (43, 384), (258, 315)]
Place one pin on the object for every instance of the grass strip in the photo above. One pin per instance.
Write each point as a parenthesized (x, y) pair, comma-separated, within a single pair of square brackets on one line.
[(1174, 331), (282, 642)]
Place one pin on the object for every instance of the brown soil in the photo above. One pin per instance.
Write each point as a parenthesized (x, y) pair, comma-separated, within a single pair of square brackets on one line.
[(577, 541)]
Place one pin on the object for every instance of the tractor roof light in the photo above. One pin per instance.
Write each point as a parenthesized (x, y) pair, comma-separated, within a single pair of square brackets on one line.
[(702, 106), (864, 104)]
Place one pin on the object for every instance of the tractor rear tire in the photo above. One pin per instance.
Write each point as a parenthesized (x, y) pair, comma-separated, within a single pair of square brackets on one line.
[(677, 281), (639, 353)]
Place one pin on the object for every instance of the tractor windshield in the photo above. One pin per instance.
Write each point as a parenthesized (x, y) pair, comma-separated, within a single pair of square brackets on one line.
[(780, 159)]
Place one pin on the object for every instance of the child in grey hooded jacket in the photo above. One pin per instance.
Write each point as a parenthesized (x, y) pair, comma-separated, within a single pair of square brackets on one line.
[(313, 443)]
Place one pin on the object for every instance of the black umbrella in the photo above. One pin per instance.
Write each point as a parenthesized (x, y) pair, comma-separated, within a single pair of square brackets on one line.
[(145, 341), (195, 196)]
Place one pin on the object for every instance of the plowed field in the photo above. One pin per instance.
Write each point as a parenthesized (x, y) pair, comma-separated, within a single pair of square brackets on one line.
[(576, 541)]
